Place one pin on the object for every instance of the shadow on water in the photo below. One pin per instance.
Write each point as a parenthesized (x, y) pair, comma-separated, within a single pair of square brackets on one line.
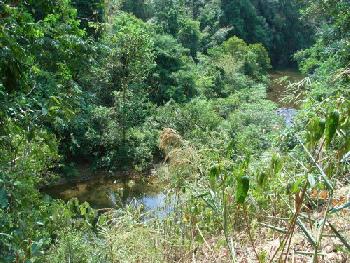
[(278, 89), (110, 192)]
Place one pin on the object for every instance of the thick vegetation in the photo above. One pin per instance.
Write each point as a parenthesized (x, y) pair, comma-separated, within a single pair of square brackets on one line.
[(122, 85)]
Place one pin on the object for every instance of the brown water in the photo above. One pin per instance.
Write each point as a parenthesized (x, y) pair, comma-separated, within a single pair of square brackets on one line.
[(111, 191), (283, 95), (278, 88)]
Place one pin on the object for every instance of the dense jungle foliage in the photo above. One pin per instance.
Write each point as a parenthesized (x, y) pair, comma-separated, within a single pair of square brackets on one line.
[(178, 87)]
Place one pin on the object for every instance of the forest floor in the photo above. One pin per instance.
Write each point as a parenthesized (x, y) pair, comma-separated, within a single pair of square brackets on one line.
[(267, 240)]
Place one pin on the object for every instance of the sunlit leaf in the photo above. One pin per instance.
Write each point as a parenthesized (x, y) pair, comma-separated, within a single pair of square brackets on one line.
[(316, 130), (311, 180)]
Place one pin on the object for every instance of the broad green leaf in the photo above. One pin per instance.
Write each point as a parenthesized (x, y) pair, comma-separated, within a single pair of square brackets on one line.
[(296, 186), (242, 189), (55, 99), (261, 178), (54, 109), (316, 129), (276, 164), (84, 208), (332, 124), (213, 174)]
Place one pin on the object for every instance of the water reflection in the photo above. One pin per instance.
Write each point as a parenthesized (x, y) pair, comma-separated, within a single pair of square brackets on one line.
[(109, 192), (279, 88), (288, 115)]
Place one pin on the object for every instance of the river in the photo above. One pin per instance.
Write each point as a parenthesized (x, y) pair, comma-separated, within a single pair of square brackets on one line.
[(105, 190), (278, 89)]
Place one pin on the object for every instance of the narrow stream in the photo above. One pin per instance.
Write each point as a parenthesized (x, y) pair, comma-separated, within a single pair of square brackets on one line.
[(278, 89), (109, 191)]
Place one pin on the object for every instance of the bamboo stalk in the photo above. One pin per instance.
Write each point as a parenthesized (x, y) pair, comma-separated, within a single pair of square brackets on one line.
[(342, 239), (297, 212), (205, 241), (306, 253), (250, 233), (323, 222), (278, 218), (323, 175), (338, 208), (279, 229), (306, 232)]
